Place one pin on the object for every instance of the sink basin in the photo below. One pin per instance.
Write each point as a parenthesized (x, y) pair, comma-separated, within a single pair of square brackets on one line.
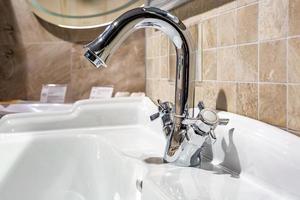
[(65, 167), (83, 114), (35, 107), (102, 149)]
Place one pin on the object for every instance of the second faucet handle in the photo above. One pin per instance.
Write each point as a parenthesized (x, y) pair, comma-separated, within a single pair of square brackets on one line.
[(164, 108)]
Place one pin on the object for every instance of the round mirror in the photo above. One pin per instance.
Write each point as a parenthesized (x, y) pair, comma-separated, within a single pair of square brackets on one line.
[(82, 13)]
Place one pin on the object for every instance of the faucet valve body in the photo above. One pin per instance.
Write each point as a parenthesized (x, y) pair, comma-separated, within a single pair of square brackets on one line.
[(195, 130)]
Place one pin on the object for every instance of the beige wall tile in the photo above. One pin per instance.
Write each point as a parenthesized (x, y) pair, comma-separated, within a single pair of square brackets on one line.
[(272, 61), (172, 67), (172, 50), (245, 2), (226, 97), (149, 68), (164, 45), (247, 20), (226, 64), (227, 29), (149, 88), (172, 92), (78, 61), (153, 68), (156, 45), (272, 104), (227, 6), (247, 63), (52, 67), (124, 79), (164, 90), (210, 65), (206, 92), (149, 49), (13, 74), (294, 107), (294, 60), (247, 99), (294, 17), (243, 49), (209, 29), (273, 17), (194, 34), (164, 67)]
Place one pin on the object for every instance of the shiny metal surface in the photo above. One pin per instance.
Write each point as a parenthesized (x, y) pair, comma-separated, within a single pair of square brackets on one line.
[(100, 50)]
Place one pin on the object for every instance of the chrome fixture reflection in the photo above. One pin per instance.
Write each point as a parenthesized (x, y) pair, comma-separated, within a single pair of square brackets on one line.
[(182, 147)]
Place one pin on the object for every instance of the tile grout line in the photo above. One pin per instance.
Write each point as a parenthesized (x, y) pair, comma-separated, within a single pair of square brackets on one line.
[(287, 65), (258, 59)]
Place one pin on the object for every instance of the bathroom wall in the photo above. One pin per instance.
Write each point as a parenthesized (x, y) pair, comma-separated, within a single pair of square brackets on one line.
[(248, 55), (33, 52)]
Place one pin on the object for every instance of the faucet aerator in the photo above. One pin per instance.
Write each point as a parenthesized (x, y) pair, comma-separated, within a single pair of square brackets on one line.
[(94, 59)]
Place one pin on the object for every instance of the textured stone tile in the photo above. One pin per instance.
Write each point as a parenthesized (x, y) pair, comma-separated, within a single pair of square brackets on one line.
[(227, 64), (227, 29), (294, 107), (272, 104), (210, 65), (226, 97), (163, 90), (273, 17), (164, 67), (272, 59), (172, 67), (294, 60), (9, 32), (172, 50), (123, 80), (47, 64), (247, 18), (149, 88), (78, 61), (209, 32), (12, 74), (247, 99), (172, 92), (247, 63), (164, 45), (294, 17), (245, 2), (226, 6), (194, 34), (206, 92)]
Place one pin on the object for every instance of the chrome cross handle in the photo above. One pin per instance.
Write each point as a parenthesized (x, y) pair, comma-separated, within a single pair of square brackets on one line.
[(196, 131)]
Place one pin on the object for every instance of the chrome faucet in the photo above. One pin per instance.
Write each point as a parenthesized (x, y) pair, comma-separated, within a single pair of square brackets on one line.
[(185, 135)]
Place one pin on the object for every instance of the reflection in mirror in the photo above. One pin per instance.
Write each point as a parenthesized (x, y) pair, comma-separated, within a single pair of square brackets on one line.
[(81, 13)]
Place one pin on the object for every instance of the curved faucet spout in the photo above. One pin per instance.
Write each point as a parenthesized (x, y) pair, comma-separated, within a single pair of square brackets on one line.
[(100, 50)]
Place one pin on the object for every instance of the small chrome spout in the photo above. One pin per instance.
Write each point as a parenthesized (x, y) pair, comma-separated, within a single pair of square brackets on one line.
[(97, 61), (100, 50)]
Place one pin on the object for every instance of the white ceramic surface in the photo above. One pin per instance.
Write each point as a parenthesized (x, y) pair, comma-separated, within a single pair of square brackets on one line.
[(101, 148), (85, 113), (35, 107)]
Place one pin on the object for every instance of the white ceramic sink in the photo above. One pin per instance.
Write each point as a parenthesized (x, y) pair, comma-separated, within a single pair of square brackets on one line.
[(100, 149), (32, 107), (83, 114), (65, 167)]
